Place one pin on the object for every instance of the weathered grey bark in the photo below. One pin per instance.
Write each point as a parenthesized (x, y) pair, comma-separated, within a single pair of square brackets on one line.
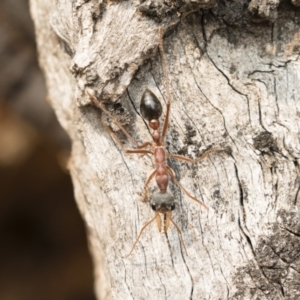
[(235, 84)]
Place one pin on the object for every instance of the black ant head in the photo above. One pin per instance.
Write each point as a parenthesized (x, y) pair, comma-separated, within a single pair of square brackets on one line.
[(162, 202), (151, 108)]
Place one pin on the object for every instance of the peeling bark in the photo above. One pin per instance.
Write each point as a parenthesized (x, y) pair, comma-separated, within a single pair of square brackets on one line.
[(234, 84)]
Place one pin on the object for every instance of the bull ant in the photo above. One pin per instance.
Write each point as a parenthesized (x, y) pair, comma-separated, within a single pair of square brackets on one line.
[(162, 202)]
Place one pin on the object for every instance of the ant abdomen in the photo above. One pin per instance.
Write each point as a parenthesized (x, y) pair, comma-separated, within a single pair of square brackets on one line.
[(151, 108)]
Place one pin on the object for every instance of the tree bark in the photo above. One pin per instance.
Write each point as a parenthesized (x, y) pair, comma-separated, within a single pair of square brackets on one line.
[(234, 73)]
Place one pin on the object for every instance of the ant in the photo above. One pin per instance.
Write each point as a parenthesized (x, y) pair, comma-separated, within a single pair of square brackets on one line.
[(161, 202)]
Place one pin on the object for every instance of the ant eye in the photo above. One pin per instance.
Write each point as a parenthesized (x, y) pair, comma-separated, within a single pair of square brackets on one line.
[(172, 206), (153, 206)]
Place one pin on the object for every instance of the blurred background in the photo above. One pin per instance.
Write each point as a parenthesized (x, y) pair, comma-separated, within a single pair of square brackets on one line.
[(43, 248)]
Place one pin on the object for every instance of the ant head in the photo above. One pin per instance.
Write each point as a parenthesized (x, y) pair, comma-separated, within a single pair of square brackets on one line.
[(151, 108), (162, 202)]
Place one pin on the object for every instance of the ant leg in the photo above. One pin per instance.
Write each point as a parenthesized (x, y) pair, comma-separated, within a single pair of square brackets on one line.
[(116, 139), (180, 233), (138, 151), (144, 145), (131, 151), (98, 104), (146, 184), (171, 172), (205, 154), (166, 75), (137, 239)]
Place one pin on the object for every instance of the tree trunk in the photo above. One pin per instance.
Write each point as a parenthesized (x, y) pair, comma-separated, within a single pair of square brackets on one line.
[(234, 75)]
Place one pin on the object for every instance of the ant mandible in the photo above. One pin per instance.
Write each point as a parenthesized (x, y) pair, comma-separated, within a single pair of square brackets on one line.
[(161, 202)]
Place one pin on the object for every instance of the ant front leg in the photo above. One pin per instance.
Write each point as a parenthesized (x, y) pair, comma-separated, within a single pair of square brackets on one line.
[(141, 231), (167, 220), (171, 173), (180, 234)]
